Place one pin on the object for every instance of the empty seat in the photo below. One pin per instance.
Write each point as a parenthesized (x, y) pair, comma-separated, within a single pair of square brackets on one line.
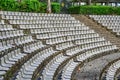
[(109, 21), (29, 67), (9, 60), (112, 69), (68, 69), (33, 47), (95, 51), (64, 45), (36, 39), (11, 34), (49, 70), (2, 22), (6, 27)]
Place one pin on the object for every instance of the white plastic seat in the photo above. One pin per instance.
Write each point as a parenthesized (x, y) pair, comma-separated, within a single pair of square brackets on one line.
[(112, 70), (64, 45), (110, 21), (28, 68), (51, 67), (32, 47), (68, 69)]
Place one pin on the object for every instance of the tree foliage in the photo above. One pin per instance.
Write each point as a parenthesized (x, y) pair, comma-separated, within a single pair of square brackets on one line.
[(27, 6), (101, 10)]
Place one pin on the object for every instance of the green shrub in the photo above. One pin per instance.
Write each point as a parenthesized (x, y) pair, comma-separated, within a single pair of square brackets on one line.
[(28, 6), (43, 7), (55, 7), (94, 10), (10, 5), (74, 10)]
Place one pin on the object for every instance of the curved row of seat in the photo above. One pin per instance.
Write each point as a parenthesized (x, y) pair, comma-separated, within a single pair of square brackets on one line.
[(68, 69), (32, 42), (6, 27), (112, 22), (34, 26), (17, 17), (74, 51), (29, 67), (10, 13), (10, 34), (112, 70)]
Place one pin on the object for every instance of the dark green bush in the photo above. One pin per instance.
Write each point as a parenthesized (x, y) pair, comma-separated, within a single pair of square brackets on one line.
[(28, 6), (43, 7), (55, 7), (10, 5), (94, 10)]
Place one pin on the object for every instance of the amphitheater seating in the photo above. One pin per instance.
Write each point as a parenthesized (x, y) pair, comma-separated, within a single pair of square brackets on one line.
[(89, 53), (112, 70), (49, 70), (10, 34), (33, 47), (68, 69), (2, 22), (6, 27), (111, 22), (29, 67), (29, 39)]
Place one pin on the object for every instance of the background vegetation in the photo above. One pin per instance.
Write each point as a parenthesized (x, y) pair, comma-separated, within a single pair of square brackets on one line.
[(41, 7), (55, 7), (106, 10), (28, 6)]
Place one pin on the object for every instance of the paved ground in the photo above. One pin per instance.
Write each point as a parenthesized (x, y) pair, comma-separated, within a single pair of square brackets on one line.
[(91, 70)]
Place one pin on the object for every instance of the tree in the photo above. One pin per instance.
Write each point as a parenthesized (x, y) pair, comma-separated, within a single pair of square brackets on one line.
[(49, 6), (88, 2), (107, 2)]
